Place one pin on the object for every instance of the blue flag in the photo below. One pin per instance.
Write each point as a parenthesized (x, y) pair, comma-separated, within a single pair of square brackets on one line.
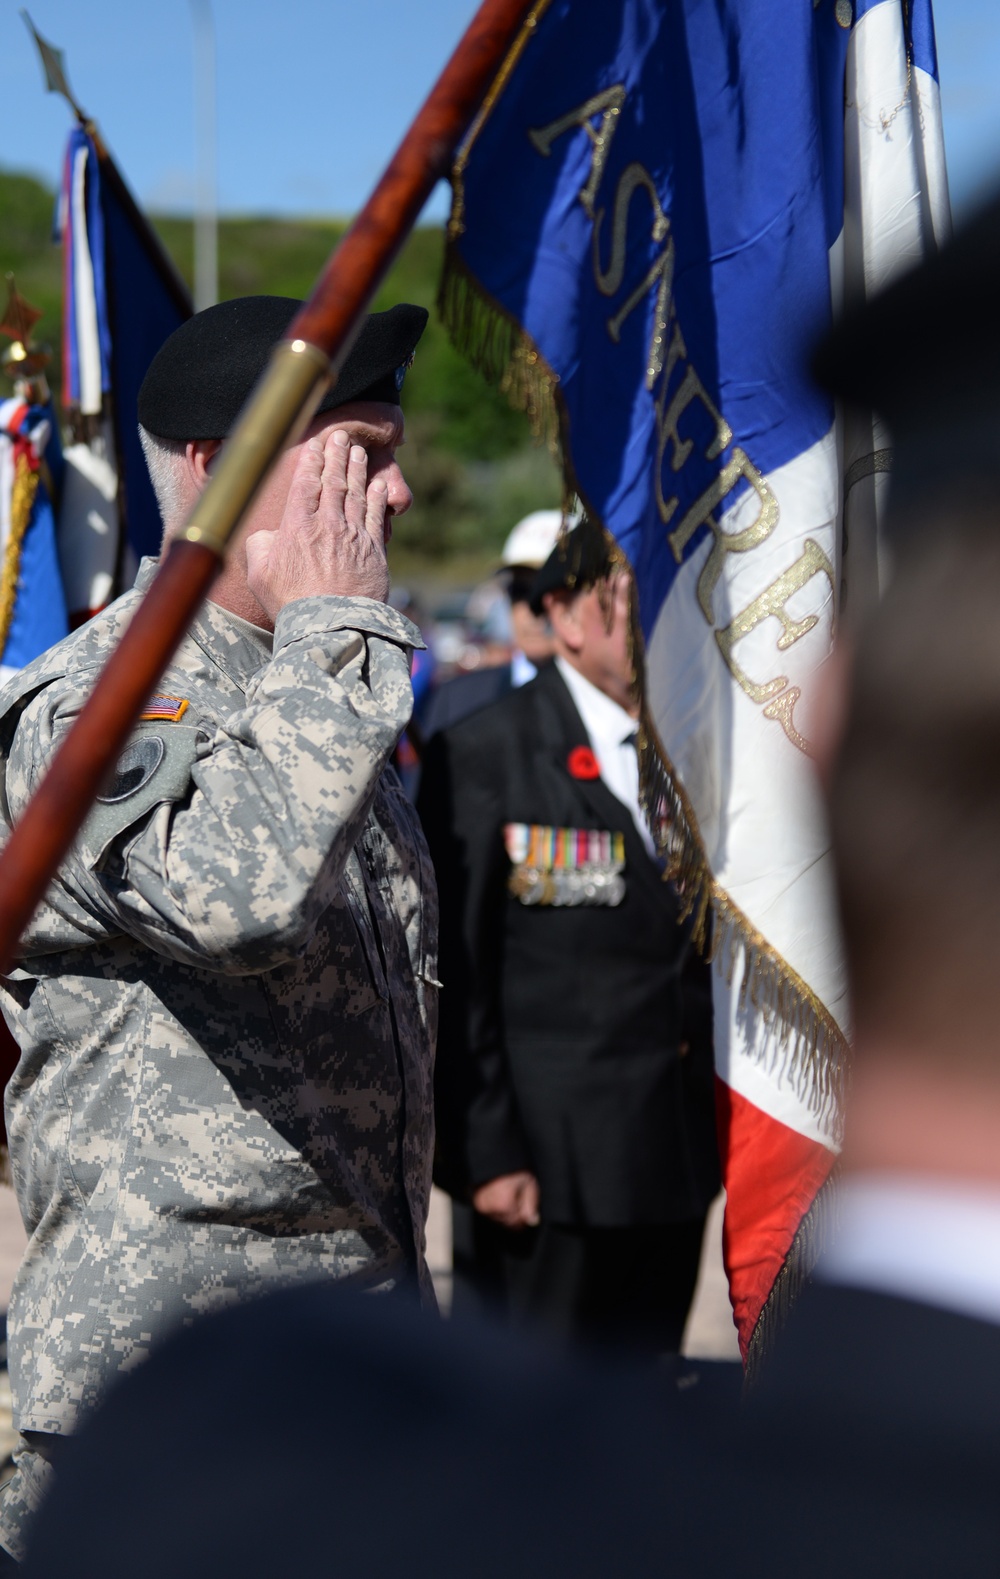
[(147, 302), (649, 201), (122, 299)]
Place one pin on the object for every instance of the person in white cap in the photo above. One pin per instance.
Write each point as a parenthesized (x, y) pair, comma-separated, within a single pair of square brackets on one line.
[(527, 548), (524, 553)]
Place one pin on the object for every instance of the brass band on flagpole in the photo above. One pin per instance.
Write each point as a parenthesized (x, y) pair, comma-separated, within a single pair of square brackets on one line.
[(301, 370)]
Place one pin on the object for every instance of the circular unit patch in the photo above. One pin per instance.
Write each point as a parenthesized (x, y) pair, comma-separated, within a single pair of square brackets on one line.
[(136, 766)]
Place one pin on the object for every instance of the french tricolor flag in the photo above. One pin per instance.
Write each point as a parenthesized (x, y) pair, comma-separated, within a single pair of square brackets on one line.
[(656, 216), (732, 699)]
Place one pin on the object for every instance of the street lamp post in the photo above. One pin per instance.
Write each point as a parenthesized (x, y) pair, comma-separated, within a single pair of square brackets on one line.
[(206, 223)]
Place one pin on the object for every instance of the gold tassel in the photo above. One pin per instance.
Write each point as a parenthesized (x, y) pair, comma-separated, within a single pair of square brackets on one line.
[(22, 502), (498, 347)]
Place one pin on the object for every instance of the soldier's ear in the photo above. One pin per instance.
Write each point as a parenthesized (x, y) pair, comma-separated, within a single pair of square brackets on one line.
[(564, 618), (201, 455)]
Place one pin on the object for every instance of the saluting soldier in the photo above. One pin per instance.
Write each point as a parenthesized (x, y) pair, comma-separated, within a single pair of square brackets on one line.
[(226, 1006), (574, 1081)]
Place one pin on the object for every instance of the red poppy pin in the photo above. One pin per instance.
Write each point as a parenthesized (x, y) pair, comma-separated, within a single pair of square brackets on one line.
[(583, 764)]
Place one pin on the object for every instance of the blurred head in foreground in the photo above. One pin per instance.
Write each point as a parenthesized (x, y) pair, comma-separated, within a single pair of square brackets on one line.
[(915, 802), (914, 779)]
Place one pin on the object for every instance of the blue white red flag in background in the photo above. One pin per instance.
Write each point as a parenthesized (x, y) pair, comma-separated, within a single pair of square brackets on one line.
[(90, 536), (74, 523), (656, 213), (121, 299)]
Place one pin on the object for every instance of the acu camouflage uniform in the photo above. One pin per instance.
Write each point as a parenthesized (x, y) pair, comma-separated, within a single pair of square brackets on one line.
[(226, 1005)]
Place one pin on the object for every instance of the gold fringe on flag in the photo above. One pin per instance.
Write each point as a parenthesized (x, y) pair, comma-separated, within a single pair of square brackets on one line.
[(670, 814), (808, 1048), (814, 1232), (498, 347), (22, 502)]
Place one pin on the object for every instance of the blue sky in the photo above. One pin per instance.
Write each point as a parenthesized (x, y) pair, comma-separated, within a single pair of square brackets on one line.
[(315, 94)]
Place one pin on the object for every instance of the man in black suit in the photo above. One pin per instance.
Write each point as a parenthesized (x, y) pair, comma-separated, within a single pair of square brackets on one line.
[(574, 1105)]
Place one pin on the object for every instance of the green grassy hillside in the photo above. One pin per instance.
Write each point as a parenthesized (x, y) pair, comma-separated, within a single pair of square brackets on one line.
[(470, 460), (26, 214)]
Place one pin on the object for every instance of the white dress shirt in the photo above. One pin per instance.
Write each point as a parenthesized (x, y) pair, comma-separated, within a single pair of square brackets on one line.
[(921, 1237), (521, 669), (612, 733)]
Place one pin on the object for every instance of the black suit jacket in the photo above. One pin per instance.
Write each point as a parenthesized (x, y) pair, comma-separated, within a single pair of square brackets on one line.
[(437, 1450), (559, 1047), (870, 1451), (462, 695), (869, 1446)]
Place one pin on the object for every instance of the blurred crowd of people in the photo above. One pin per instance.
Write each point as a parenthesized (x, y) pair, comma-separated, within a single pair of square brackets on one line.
[(486, 637)]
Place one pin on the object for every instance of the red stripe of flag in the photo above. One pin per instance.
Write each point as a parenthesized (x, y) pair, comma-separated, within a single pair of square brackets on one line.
[(772, 1176)]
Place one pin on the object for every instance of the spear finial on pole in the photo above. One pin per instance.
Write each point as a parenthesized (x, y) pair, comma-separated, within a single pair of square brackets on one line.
[(54, 66)]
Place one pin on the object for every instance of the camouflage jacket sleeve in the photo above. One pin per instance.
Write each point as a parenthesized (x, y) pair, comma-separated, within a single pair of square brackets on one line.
[(230, 858)]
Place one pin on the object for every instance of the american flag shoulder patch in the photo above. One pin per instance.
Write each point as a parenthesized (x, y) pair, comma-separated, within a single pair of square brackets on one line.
[(168, 709)]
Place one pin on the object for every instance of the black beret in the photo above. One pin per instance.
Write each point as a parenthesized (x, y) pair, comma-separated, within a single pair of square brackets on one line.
[(201, 376), (580, 559), (925, 355)]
